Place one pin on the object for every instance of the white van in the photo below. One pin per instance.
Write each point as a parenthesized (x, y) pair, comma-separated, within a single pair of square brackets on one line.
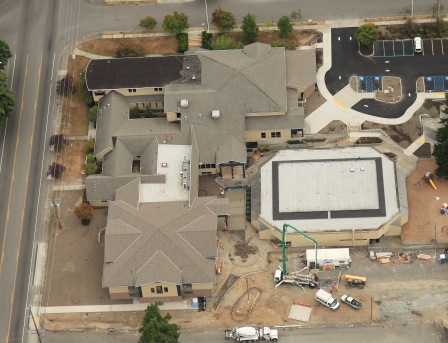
[(418, 45), (326, 299)]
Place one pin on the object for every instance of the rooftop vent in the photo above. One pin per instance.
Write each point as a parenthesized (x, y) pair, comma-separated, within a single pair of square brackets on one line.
[(184, 103), (216, 114), (352, 170)]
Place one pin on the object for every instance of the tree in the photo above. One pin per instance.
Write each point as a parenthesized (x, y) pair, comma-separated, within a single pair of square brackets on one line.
[(148, 23), (86, 95), (440, 152), (93, 114), (250, 28), (5, 54), (57, 142), (84, 212), (6, 99), (56, 170), (224, 20), (296, 15), (65, 86), (156, 328), (175, 23), (366, 34), (285, 26), (225, 43)]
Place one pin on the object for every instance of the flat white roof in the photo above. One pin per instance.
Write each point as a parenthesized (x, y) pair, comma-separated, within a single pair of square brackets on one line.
[(328, 254), (329, 185), (169, 162), (316, 190)]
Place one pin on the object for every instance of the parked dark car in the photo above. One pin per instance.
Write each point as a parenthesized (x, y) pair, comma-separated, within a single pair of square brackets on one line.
[(202, 304)]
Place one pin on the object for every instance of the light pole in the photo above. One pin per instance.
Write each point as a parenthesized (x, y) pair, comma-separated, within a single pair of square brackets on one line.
[(206, 14)]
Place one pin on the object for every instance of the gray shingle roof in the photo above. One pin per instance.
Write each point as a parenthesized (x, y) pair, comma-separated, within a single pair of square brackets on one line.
[(161, 242), (301, 66)]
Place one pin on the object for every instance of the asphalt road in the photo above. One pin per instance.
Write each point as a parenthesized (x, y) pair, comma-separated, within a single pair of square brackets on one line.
[(398, 334), (30, 28)]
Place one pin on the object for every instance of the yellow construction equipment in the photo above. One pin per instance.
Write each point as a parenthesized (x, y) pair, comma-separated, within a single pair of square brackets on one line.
[(354, 281)]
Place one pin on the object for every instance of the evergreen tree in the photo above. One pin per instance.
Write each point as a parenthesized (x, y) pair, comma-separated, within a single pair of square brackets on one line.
[(285, 26), (250, 29), (156, 328), (440, 152)]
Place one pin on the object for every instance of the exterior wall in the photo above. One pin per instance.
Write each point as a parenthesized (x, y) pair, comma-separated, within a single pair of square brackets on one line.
[(265, 114), (163, 299), (346, 238), (310, 90), (119, 293), (98, 203), (169, 290), (255, 136), (208, 171), (127, 92), (154, 105)]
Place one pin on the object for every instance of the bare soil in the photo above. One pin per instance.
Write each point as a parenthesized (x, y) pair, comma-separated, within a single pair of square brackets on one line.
[(165, 45), (425, 225), (391, 91)]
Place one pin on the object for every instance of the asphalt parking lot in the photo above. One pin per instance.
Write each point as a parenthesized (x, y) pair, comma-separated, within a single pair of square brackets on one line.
[(397, 60)]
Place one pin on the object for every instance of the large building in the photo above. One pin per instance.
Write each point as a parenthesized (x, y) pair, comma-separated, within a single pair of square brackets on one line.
[(340, 196), (162, 122)]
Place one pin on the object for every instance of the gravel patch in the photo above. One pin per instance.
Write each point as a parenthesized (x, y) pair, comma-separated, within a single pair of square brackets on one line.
[(395, 309)]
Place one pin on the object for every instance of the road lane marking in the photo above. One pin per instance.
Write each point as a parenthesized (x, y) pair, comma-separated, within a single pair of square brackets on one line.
[(26, 194), (13, 167), (339, 103)]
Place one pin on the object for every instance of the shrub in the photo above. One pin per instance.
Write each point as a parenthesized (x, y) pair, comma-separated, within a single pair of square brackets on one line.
[(206, 39), (134, 113), (86, 95), (129, 51), (148, 23), (91, 168), (294, 141), (225, 43), (90, 146), (90, 158), (183, 42), (93, 113), (282, 44), (147, 113)]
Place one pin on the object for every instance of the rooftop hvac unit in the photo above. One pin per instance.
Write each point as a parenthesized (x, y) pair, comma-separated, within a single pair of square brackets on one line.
[(216, 114), (184, 103)]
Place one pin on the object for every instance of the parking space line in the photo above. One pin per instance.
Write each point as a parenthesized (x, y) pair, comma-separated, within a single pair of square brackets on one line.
[(441, 44), (432, 46), (423, 48), (384, 50)]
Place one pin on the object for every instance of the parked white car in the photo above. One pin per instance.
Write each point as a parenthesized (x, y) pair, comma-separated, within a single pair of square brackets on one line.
[(418, 44)]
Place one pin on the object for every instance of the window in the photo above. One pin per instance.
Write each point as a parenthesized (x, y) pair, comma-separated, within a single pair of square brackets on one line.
[(153, 290), (159, 290), (263, 135), (165, 289), (276, 134), (132, 90)]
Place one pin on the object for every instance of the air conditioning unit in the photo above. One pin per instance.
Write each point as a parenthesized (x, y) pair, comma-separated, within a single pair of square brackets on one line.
[(216, 114), (184, 103)]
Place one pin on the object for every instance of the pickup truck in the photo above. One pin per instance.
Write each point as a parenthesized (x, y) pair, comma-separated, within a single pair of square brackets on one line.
[(350, 301)]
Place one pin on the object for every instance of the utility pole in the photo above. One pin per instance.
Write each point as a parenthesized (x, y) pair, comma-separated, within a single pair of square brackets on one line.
[(35, 326)]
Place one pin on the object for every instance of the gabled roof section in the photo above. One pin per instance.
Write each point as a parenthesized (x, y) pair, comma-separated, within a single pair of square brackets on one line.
[(121, 236), (177, 243), (301, 66), (128, 192), (256, 73), (159, 268), (231, 150), (133, 72)]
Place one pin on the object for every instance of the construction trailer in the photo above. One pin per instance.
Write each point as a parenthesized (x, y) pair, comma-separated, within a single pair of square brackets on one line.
[(339, 257), (250, 334)]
